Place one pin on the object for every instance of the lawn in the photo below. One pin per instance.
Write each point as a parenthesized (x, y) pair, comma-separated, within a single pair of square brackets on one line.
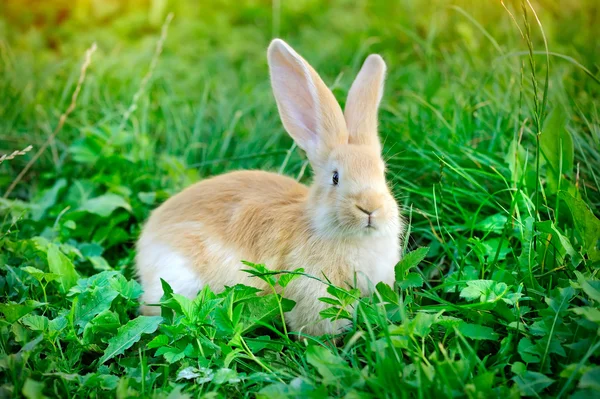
[(491, 131)]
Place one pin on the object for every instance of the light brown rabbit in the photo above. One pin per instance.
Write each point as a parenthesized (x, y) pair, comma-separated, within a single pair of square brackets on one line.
[(345, 224)]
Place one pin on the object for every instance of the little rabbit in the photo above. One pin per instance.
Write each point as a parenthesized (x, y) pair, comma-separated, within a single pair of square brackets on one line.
[(345, 227)]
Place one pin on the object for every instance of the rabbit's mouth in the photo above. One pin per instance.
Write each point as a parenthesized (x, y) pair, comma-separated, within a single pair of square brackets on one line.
[(377, 224), (371, 228), (367, 218), (352, 221)]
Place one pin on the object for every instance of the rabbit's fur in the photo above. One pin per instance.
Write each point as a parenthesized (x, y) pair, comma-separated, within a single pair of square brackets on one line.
[(200, 235)]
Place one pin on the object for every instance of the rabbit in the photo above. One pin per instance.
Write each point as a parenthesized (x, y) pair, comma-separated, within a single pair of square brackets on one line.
[(346, 227)]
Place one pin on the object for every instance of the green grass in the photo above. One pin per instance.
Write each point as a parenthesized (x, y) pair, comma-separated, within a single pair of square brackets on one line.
[(493, 150)]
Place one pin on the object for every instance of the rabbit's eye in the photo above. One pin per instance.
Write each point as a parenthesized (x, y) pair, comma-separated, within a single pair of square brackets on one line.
[(336, 178)]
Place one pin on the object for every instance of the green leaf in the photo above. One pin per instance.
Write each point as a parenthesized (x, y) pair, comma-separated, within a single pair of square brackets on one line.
[(34, 272), (412, 280), (484, 290), (286, 278), (35, 323), (57, 324), (458, 278), (528, 351), (590, 287), (40, 275), (86, 150), (187, 306), (14, 311), (556, 145), (158, 341), (421, 324), (335, 313), (128, 289), (386, 292), (264, 309), (188, 373), (410, 260), (330, 301), (260, 271), (555, 245), (560, 298), (586, 223), (299, 387), (62, 266), (99, 263), (242, 293), (590, 313), (516, 158), (476, 331), (591, 379), (171, 355), (531, 383), (226, 376), (103, 381), (346, 297), (106, 323), (330, 366), (494, 223), (102, 279), (129, 334), (90, 250), (33, 389), (31, 344), (449, 321), (488, 248), (48, 200), (105, 204), (223, 322), (69, 224), (147, 198), (518, 368), (264, 341), (91, 303)]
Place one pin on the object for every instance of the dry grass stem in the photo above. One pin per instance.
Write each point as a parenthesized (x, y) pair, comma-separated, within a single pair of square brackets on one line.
[(146, 78), (14, 154), (63, 118)]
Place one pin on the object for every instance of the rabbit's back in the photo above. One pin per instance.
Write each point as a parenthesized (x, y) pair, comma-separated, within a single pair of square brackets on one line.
[(220, 197), (200, 235)]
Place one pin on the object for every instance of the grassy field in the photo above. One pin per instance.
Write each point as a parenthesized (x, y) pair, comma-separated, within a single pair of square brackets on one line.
[(491, 127)]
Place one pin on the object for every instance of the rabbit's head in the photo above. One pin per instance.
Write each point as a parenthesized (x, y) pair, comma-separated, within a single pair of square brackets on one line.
[(349, 196)]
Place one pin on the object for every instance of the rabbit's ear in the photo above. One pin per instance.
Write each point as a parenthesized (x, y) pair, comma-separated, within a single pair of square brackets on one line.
[(363, 102), (308, 109)]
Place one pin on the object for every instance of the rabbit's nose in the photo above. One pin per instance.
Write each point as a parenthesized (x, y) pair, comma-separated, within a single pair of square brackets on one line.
[(368, 203), (365, 211)]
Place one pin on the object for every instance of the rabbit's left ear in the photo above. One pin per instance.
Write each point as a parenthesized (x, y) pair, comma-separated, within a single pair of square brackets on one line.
[(363, 102), (308, 109)]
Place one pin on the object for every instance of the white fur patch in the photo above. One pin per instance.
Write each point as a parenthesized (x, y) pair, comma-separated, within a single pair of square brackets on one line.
[(217, 253), (375, 261), (158, 261), (225, 256)]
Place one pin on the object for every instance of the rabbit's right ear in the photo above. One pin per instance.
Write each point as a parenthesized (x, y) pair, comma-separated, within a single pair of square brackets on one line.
[(307, 107)]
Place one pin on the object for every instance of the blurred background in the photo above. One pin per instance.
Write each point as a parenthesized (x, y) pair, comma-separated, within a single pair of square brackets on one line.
[(456, 117)]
